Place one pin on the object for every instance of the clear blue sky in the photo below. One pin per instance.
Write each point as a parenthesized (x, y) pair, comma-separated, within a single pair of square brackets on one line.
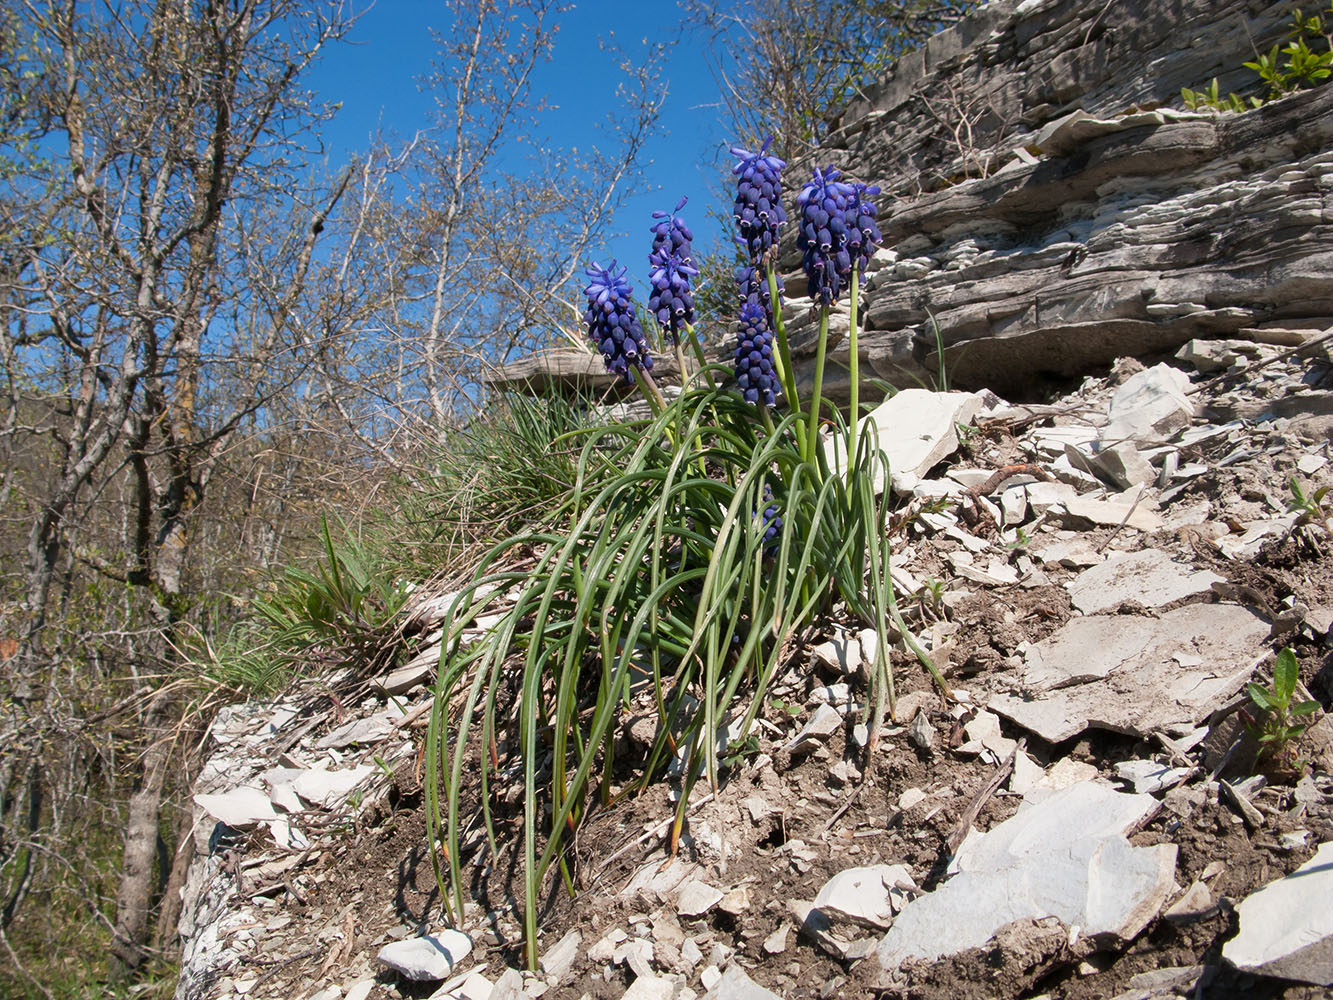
[(376, 79)]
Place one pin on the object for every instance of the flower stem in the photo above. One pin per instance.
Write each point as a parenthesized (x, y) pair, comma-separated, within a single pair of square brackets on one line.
[(786, 373), (697, 349), (650, 390), (854, 368), (821, 349)]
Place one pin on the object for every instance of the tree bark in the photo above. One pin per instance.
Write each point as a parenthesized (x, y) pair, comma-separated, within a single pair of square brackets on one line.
[(134, 900)]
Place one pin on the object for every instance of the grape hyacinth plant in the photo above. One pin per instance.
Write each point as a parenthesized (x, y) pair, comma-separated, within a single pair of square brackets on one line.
[(755, 374), (615, 329), (693, 546), (758, 209), (671, 266)]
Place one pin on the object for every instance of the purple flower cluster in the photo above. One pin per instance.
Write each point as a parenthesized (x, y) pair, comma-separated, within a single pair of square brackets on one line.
[(772, 523), (863, 234), (753, 286), (671, 266), (754, 357), (612, 325), (758, 210), (838, 231), (822, 238)]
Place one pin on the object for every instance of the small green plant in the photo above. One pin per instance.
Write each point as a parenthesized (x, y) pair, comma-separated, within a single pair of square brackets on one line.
[(1296, 66), (344, 603), (1310, 507), (1304, 61), (1209, 97), (1274, 727), (931, 597)]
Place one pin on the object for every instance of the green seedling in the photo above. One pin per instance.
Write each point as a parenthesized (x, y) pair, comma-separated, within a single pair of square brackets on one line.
[(1275, 728), (1310, 507)]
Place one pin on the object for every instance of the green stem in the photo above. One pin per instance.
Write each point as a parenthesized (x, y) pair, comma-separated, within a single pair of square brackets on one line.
[(684, 368), (650, 391), (786, 373), (697, 349), (821, 349), (854, 368)]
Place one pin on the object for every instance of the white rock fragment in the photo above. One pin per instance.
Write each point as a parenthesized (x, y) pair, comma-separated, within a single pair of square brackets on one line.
[(697, 898), (1065, 857), (371, 729), (1194, 903), (1149, 407), (430, 957), (922, 733), (984, 737), (917, 429), (1149, 688), (360, 989), (1149, 576), (776, 943), (330, 789), (637, 953), (841, 655), (651, 987), (825, 721), (416, 671), (1310, 463), (736, 985), (239, 808), (558, 958), (1149, 776), (1286, 928), (1136, 512), (868, 896), (1027, 772)]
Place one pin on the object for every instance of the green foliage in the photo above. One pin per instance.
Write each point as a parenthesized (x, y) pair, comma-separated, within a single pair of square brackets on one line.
[(344, 605), (660, 589), (1310, 508), (1275, 728), (1196, 100), (1304, 61), (512, 465)]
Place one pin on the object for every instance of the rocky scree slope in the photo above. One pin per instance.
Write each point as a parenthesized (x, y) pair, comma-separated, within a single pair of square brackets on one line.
[(1085, 818)]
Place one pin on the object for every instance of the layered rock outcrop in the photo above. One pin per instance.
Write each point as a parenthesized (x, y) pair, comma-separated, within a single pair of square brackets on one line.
[(1049, 208)]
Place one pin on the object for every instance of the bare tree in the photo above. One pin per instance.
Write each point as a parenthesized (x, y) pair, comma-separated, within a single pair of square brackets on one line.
[(195, 325), (785, 67), (149, 319)]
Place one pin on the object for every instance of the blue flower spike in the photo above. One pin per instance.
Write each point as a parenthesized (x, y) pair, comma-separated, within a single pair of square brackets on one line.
[(671, 268), (758, 209), (755, 374), (612, 325)]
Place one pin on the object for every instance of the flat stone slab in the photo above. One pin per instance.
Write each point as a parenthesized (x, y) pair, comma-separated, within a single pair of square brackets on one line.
[(330, 789), (239, 808), (1065, 857), (916, 429), (736, 985), (428, 958), (869, 895), (1149, 407), (1134, 675), (1286, 928), (1149, 576)]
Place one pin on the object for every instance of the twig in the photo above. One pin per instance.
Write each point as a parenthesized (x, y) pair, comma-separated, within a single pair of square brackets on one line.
[(655, 831), (847, 804), (979, 800)]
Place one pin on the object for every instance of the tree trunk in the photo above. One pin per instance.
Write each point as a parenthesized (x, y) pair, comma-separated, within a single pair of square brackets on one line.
[(134, 897), (164, 936)]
